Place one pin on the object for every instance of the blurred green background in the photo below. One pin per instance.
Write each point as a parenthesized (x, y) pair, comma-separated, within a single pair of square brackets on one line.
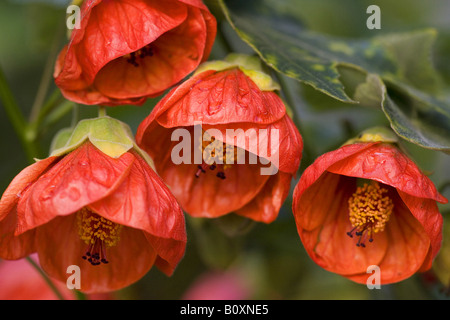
[(270, 258)]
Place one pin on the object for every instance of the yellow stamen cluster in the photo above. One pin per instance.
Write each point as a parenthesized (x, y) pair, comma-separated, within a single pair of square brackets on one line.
[(93, 228), (217, 152), (369, 208)]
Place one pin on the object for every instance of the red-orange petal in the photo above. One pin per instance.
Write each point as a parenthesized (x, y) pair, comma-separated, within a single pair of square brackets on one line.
[(175, 54), (209, 196), (413, 232), (112, 29), (387, 164), (22, 181), (408, 246), (206, 196), (427, 214), (144, 202), (279, 142), (322, 163), (15, 247), (83, 176), (267, 203), (322, 222), (59, 246), (217, 98)]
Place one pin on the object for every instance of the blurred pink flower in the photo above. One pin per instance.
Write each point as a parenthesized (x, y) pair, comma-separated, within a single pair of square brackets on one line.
[(218, 286), (19, 280)]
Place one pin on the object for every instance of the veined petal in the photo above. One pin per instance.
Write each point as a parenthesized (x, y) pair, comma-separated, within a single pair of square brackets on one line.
[(124, 45), (412, 235), (322, 222), (169, 251), (218, 98), (59, 246), (144, 202), (83, 176), (387, 164), (111, 29), (427, 214), (279, 142), (408, 246), (322, 163), (175, 54), (15, 247), (209, 196), (22, 181), (267, 203)]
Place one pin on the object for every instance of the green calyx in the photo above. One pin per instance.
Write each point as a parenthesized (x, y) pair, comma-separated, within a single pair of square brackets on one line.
[(111, 136), (375, 134), (250, 65)]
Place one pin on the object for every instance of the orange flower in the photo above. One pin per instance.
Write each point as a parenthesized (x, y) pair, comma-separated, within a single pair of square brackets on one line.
[(365, 204), (112, 217), (227, 97), (126, 51)]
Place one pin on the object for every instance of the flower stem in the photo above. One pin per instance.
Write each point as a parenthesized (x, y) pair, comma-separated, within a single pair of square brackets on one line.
[(75, 115), (46, 278), (102, 111)]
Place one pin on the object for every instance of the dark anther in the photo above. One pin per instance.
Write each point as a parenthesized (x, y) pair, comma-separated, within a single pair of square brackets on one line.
[(132, 59), (221, 175), (350, 233)]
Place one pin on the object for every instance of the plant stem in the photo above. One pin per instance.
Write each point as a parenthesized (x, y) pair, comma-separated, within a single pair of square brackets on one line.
[(102, 111), (46, 278), (54, 101), (46, 76), (80, 295), (75, 115), (17, 119), (57, 114)]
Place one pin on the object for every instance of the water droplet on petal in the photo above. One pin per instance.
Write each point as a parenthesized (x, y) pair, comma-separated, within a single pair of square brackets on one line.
[(48, 193), (74, 194)]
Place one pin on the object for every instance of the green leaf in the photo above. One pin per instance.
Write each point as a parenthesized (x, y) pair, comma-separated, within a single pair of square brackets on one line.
[(414, 115), (418, 117), (286, 46), (397, 71), (411, 53)]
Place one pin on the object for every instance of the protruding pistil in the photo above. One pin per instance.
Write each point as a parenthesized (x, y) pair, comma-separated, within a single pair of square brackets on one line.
[(98, 233)]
